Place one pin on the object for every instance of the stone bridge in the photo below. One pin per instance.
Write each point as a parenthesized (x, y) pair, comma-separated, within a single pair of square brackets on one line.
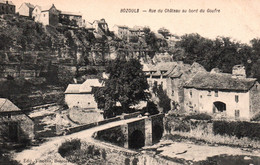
[(135, 134)]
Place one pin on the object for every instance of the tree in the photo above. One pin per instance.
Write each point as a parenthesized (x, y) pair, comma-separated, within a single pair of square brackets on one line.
[(164, 100), (165, 32), (126, 85)]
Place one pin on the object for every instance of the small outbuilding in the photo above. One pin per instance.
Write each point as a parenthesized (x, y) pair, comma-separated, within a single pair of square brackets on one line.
[(15, 125)]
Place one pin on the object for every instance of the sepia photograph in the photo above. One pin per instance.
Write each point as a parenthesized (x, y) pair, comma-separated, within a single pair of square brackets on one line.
[(129, 82)]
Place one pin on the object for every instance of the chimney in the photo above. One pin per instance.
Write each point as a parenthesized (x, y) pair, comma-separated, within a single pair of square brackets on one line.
[(239, 71)]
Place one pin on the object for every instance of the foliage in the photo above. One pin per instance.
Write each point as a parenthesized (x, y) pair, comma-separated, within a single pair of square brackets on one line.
[(237, 128), (165, 32), (222, 53), (256, 117), (112, 135), (126, 84), (6, 159), (69, 146), (164, 100), (151, 108), (90, 155), (198, 116)]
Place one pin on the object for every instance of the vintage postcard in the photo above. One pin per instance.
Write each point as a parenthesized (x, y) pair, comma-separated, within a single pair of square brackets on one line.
[(129, 82)]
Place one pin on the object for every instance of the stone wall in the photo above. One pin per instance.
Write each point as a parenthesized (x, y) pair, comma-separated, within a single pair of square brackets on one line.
[(120, 156), (24, 127), (254, 100)]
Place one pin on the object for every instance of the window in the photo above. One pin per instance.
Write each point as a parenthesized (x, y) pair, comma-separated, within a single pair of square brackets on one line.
[(209, 93), (9, 116), (43, 15), (216, 93), (150, 83), (190, 94), (237, 114), (236, 98), (201, 96)]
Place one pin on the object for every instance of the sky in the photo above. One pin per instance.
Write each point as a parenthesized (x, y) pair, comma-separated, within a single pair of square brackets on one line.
[(238, 19)]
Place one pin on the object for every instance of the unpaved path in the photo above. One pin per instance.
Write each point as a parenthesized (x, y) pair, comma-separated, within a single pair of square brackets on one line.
[(197, 152), (47, 153)]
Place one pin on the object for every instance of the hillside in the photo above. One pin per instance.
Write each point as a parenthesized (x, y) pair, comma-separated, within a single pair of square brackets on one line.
[(34, 56)]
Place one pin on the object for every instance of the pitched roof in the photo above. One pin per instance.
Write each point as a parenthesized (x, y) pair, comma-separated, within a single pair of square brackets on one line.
[(46, 8), (86, 87), (9, 2), (102, 21), (148, 67), (88, 84), (73, 88), (165, 66), (159, 36), (220, 81), (29, 5), (7, 106)]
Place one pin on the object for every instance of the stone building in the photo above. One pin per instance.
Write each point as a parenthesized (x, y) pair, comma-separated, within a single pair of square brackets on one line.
[(7, 7), (26, 10), (81, 96), (101, 26), (172, 76), (15, 125), (227, 95), (70, 18), (121, 32), (47, 15)]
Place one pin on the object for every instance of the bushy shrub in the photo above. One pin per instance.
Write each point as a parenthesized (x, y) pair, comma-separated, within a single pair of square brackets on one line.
[(69, 146), (198, 116), (91, 71), (237, 128), (256, 117), (182, 126), (113, 135), (151, 108)]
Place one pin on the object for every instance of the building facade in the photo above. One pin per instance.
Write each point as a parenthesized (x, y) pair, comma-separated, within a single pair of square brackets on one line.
[(171, 76), (47, 15), (70, 19), (26, 10), (81, 95), (100, 26), (121, 32), (222, 94), (15, 125), (7, 7)]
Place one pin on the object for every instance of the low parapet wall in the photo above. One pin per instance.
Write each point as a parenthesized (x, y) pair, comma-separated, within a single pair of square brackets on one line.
[(87, 126)]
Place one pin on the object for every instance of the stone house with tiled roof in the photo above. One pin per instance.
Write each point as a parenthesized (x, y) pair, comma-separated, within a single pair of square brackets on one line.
[(81, 96), (70, 18), (26, 9), (7, 7), (228, 95), (15, 125), (101, 26), (81, 102), (172, 76), (121, 31), (47, 15)]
